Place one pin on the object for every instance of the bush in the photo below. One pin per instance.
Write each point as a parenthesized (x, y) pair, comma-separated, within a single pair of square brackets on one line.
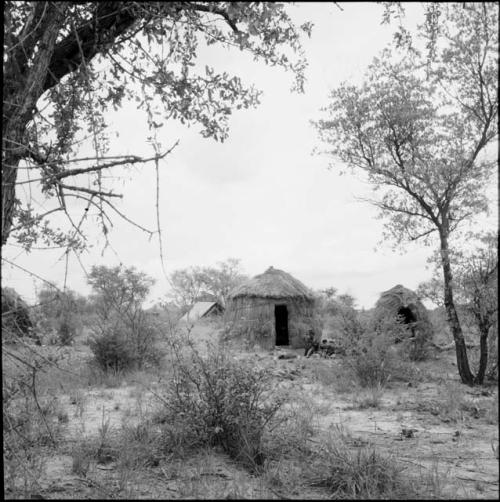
[(121, 344), (66, 330), (416, 348), (216, 401), (373, 361), (111, 350)]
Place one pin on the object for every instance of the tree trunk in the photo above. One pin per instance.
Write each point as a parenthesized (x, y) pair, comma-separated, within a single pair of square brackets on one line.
[(36, 65), (461, 350), (9, 176), (483, 357), (22, 89)]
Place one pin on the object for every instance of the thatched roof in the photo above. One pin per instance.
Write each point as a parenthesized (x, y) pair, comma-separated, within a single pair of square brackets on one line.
[(399, 296), (16, 317), (273, 283)]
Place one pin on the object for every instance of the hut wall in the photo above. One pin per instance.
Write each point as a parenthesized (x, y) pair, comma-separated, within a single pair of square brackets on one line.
[(254, 320)]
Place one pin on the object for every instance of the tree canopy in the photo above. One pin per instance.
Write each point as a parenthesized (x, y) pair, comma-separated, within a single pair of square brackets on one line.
[(66, 64), (194, 283)]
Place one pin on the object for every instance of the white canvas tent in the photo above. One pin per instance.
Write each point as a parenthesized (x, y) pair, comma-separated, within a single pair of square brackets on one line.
[(199, 310)]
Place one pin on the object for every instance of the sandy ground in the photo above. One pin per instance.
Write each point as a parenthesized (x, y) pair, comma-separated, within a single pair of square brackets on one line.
[(460, 451)]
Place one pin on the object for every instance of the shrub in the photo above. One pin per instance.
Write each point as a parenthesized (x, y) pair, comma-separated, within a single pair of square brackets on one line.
[(416, 348), (111, 350), (368, 399), (121, 345), (66, 329), (216, 401), (373, 361)]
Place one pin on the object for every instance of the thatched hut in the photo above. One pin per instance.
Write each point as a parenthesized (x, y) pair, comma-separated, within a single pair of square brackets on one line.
[(16, 317), (403, 305), (271, 309)]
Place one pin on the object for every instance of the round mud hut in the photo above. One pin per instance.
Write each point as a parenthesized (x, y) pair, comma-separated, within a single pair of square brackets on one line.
[(403, 305), (271, 309)]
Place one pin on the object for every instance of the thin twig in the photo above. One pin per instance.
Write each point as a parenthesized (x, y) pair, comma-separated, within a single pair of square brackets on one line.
[(33, 390), (31, 273)]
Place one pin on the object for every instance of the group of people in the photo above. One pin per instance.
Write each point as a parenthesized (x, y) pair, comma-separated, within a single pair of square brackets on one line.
[(326, 347)]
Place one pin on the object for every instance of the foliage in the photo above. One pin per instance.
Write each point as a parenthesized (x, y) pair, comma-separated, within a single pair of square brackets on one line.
[(124, 334), (373, 360), (65, 312), (17, 318), (416, 347), (67, 65), (418, 128), (414, 337), (31, 419), (476, 278), (119, 289), (339, 317), (476, 288), (111, 351), (53, 303), (66, 330), (216, 400), (194, 284)]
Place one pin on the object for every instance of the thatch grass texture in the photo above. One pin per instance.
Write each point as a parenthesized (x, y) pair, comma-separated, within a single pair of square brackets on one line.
[(273, 283)]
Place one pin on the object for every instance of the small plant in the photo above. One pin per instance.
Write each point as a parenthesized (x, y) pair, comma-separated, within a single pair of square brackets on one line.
[(296, 424), (139, 446), (369, 398), (78, 400), (81, 459), (363, 473)]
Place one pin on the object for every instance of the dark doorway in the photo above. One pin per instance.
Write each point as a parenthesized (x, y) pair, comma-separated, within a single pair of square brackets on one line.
[(407, 315), (281, 316)]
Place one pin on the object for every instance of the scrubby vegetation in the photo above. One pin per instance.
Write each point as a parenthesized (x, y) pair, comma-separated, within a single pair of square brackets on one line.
[(169, 404), (214, 400), (207, 407), (124, 335)]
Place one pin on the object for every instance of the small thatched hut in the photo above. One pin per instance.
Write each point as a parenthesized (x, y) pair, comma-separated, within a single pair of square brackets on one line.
[(403, 304), (16, 317), (271, 309)]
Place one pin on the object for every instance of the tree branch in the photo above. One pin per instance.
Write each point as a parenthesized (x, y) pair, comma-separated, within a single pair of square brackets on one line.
[(111, 20), (214, 10), (90, 191)]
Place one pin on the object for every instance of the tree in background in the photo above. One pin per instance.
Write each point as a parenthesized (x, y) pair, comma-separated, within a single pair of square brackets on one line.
[(186, 286), (224, 277), (124, 333), (64, 312), (340, 317), (418, 127), (67, 63), (476, 289), (194, 284), (120, 290)]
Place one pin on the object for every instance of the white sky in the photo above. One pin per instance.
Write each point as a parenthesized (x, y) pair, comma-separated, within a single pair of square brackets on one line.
[(261, 196)]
